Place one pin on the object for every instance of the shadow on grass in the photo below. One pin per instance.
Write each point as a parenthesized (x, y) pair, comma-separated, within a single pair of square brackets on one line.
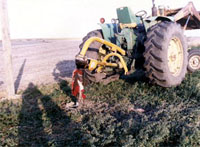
[(42, 122), (137, 76), (31, 129)]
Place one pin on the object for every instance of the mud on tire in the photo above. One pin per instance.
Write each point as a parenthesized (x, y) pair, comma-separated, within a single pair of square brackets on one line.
[(166, 54)]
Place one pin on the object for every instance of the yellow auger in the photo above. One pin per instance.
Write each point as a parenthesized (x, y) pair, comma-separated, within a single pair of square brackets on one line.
[(93, 64)]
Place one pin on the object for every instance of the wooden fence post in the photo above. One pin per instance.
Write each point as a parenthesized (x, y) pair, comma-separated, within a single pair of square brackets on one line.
[(6, 45)]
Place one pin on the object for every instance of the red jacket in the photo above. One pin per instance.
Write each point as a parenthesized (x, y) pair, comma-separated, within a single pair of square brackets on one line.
[(77, 83)]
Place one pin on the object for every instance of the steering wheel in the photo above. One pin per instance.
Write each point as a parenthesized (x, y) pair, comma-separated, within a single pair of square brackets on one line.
[(141, 14)]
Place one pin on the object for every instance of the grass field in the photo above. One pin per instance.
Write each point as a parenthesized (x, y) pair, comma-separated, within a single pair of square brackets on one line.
[(111, 116)]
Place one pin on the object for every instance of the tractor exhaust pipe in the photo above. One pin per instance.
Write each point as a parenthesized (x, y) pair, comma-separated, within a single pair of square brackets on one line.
[(154, 9)]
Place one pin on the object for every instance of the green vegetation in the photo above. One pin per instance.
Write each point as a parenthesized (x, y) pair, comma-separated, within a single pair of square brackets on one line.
[(109, 117)]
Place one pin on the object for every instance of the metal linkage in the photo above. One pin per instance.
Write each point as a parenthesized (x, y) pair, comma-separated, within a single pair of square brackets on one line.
[(116, 51)]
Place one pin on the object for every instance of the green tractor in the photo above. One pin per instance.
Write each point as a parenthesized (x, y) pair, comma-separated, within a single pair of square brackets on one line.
[(155, 46)]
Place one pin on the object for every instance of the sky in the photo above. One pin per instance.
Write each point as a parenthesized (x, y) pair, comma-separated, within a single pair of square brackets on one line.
[(72, 18)]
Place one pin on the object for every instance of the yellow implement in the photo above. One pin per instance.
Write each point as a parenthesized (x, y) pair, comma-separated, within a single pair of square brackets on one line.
[(92, 39), (116, 51)]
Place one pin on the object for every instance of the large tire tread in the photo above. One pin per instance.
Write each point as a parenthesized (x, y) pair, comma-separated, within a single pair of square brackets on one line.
[(155, 59)]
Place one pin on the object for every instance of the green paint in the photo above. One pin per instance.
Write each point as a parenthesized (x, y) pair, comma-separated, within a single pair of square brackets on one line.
[(109, 31), (125, 15)]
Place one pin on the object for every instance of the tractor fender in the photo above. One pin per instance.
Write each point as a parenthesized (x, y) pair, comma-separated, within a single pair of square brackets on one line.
[(151, 21), (159, 18), (109, 30), (164, 18)]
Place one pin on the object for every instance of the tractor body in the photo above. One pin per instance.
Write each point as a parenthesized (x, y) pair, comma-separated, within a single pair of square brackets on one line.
[(113, 33), (155, 45)]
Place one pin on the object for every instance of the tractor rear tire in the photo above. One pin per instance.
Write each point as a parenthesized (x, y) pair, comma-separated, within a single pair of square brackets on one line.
[(166, 54), (93, 50), (92, 53)]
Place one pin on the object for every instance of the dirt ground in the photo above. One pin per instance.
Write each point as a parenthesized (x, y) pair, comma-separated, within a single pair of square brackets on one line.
[(40, 61)]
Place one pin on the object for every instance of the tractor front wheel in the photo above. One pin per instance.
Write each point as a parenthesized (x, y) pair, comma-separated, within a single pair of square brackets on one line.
[(194, 60), (166, 54)]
